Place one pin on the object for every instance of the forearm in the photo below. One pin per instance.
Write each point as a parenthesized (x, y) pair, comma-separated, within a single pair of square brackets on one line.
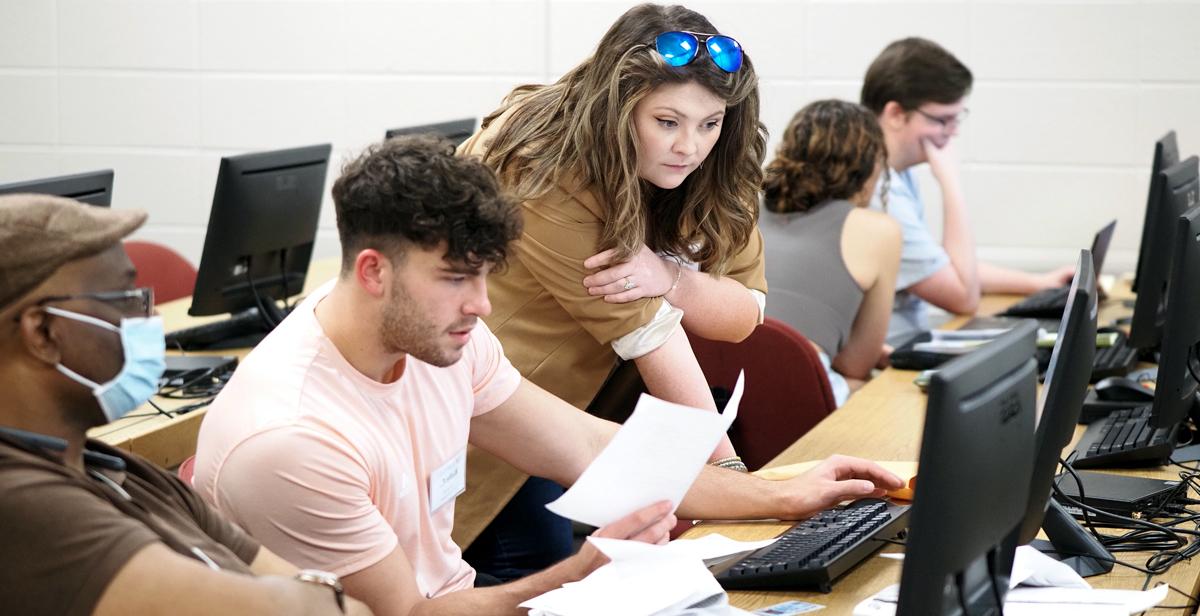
[(722, 494), (672, 374), (717, 308), (996, 279), (957, 239)]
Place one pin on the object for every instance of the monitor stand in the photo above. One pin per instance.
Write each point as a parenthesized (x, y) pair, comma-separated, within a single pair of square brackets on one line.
[(1071, 544)]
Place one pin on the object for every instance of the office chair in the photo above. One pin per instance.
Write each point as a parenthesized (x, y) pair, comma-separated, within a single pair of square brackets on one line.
[(161, 268), (787, 391)]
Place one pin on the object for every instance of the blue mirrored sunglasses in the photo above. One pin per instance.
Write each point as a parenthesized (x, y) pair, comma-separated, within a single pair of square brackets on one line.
[(679, 48)]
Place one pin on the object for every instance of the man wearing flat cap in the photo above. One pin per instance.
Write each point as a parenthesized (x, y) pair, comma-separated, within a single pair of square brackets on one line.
[(85, 528)]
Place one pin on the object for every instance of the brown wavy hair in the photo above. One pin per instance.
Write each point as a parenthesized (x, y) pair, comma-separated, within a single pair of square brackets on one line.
[(582, 127), (830, 150)]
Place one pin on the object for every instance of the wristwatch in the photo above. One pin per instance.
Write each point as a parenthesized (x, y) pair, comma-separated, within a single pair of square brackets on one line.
[(327, 579)]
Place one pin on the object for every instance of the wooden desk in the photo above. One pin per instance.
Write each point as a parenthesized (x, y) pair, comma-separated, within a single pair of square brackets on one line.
[(883, 421)]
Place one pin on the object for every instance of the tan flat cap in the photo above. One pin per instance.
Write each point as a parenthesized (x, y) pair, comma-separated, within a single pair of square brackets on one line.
[(41, 233)]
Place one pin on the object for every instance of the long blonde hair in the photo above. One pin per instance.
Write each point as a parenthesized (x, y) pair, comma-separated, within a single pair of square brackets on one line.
[(582, 126)]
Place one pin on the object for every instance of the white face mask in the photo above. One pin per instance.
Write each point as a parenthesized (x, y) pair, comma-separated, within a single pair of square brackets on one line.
[(145, 349)]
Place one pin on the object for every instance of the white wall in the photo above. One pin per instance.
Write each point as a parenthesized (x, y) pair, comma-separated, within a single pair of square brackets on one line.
[(1069, 98)]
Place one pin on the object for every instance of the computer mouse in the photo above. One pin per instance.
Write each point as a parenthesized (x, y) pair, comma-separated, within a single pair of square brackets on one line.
[(1123, 389)]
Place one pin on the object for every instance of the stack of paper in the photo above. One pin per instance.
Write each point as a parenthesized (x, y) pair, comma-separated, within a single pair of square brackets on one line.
[(647, 580)]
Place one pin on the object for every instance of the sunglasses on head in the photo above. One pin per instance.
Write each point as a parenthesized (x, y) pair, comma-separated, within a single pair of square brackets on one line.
[(680, 47)]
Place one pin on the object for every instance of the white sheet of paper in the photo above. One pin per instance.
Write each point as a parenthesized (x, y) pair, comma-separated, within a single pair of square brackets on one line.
[(1033, 568), (655, 456)]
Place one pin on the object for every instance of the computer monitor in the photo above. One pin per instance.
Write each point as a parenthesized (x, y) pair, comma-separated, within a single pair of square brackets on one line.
[(261, 231), (1063, 393), (1166, 154), (976, 458), (93, 188), (1174, 184), (1179, 365), (456, 131), (1100, 245)]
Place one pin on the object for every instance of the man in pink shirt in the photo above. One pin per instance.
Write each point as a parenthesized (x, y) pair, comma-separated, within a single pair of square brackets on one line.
[(340, 442)]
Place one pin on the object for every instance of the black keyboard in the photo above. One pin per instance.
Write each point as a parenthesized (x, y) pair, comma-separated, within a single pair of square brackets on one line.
[(243, 330), (1047, 303), (1115, 360), (1125, 438), (815, 552)]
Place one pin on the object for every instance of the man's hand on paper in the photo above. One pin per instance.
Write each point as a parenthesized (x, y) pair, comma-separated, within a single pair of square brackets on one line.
[(836, 479), (651, 524)]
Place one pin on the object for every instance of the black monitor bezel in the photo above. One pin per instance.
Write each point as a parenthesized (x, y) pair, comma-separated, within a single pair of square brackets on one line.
[(1149, 310), (91, 187), (456, 131), (1064, 390), (1166, 154), (975, 463), (216, 291), (1175, 388)]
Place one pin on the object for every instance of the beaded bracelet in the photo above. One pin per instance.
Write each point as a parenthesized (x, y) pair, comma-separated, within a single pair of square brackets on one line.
[(733, 463)]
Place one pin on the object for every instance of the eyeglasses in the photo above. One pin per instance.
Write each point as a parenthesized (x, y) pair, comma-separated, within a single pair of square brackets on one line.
[(947, 122), (681, 47), (132, 302)]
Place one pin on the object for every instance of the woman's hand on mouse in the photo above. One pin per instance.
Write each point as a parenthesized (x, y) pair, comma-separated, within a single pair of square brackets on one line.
[(645, 274)]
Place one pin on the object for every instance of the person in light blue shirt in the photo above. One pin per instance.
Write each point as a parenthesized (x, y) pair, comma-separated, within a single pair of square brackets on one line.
[(918, 91)]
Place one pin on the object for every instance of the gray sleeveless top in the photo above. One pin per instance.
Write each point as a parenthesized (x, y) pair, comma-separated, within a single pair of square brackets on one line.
[(811, 289)]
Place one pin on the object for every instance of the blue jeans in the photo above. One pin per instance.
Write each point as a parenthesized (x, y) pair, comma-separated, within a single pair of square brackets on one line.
[(525, 537)]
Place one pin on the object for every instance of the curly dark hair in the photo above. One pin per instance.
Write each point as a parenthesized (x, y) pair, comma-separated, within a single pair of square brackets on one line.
[(829, 151), (413, 189), (914, 71)]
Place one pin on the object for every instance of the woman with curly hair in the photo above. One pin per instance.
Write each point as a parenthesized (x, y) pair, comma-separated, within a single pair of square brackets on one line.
[(833, 262), (637, 174)]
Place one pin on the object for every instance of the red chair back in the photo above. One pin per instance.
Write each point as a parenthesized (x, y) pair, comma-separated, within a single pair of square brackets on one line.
[(787, 390), (161, 268)]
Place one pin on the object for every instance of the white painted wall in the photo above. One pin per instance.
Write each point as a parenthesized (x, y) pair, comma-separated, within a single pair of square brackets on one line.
[(1069, 98)]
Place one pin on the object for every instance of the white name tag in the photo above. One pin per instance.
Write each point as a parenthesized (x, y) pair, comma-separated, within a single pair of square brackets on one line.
[(448, 481)]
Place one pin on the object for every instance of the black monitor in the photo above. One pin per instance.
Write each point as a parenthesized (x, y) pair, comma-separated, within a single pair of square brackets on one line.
[(1166, 154), (456, 131), (1173, 185), (93, 188), (1176, 386), (976, 458), (1063, 393), (261, 231), (1100, 245)]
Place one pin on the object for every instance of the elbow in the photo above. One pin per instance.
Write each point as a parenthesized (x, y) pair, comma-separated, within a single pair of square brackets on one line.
[(967, 303)]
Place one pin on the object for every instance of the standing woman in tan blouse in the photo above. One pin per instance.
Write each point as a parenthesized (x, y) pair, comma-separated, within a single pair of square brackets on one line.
[(638, 174)]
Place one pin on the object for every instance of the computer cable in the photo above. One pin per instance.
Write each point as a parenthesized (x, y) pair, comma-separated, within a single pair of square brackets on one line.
[(206, 384), (1171, 545), (266, 311), (283, 277)]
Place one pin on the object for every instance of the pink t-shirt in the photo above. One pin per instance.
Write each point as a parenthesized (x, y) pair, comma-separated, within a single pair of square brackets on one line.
[(330, 469)]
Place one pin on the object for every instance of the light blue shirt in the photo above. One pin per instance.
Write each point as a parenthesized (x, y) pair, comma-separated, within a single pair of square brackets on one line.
[(920, 256)]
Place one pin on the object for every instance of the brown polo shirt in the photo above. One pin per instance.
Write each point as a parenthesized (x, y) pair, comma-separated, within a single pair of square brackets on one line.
[(64, 535)]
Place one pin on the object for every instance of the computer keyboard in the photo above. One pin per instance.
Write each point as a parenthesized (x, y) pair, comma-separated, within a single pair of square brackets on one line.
[(1124, 438), (242, 330), (1115, 360), (1047, 303), (815, 552)]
